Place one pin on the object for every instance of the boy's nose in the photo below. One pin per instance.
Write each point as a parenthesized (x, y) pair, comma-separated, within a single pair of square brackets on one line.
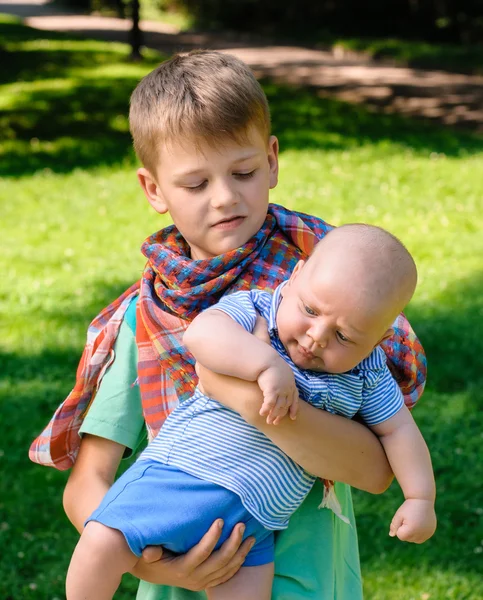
[(223, 195)]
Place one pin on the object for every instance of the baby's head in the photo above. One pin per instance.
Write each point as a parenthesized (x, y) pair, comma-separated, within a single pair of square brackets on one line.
[(201, 127), (341, 303)]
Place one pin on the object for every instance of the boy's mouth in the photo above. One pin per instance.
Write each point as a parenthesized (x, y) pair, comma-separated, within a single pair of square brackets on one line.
[(229, 223)]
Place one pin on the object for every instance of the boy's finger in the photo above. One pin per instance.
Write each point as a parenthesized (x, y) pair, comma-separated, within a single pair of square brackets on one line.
[(235, 562), (203, 549), (152, 554), (294, 407), (231, 548)]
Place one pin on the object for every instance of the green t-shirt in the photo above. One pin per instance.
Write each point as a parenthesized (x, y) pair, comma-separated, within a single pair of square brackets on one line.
[(116, 413), (316, 557)]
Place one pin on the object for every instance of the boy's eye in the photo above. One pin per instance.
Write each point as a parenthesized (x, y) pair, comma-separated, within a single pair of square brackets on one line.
[(309, 311), (196, 188), (342, 337), (248, 175)]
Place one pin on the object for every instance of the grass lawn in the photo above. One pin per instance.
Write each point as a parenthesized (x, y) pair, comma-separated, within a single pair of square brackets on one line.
[(73, 218), (418, 54)]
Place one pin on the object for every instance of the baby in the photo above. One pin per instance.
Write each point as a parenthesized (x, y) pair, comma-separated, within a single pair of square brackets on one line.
[(325, 324)]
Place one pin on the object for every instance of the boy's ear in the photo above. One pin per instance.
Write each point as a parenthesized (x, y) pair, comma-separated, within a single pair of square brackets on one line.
[(389, 333), (151, 191), (273, 160)]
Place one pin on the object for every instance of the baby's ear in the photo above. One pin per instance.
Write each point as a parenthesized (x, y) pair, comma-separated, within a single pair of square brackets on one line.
[(388, 334), (151, 191), (298, 268), (293, 276)]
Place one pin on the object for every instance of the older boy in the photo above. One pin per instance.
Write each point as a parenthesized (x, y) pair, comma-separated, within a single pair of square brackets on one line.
[(198, 111)]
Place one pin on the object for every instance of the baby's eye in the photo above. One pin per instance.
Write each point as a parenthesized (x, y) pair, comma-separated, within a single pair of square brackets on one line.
[(197, 188), (342, 337), (309, 311), (248, 175)]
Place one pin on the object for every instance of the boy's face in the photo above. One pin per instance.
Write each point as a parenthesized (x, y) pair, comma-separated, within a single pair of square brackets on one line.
[(323, 323), (217, 197)]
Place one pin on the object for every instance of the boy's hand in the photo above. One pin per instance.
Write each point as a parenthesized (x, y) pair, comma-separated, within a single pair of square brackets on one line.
[(201, 567), (280, 394), (415, 521)]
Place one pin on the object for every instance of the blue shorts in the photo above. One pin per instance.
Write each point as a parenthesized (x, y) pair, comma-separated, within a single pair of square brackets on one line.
[(154, 504)]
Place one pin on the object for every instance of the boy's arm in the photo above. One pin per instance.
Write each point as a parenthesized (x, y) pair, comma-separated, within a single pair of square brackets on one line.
[(410, 461), (91, 477), (327, 445)]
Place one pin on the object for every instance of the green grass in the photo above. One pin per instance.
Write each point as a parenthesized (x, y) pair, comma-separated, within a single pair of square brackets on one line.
[(73, 219), (419, 54)]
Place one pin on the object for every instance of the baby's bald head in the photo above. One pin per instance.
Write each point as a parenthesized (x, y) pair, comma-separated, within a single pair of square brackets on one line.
[(370, 263)]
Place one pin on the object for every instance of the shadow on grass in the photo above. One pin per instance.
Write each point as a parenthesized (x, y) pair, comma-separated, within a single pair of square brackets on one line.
[(31, 55), (451, 332), (303, 120), (59, 114), (62, 117)]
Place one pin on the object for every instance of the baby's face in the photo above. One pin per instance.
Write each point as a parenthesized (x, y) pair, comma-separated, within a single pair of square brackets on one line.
[(325, 323)]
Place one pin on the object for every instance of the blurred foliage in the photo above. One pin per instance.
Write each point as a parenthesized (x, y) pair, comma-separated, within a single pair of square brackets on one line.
[(444, 21), (414, 33)]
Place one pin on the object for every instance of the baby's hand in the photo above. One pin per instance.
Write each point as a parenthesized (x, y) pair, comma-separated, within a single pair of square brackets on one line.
[(415, 521), (280, 394)]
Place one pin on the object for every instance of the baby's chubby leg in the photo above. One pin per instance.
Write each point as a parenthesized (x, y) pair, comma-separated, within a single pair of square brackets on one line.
[(254, 583), (100, 559)]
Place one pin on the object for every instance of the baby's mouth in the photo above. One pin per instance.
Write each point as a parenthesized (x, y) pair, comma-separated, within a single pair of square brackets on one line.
[(306, 353)]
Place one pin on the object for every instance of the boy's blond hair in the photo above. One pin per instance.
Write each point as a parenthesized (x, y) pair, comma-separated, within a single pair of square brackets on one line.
[(203, 96)]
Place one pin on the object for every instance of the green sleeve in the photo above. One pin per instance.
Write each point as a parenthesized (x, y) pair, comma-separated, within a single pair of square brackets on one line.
[(116, 412), (316, 558)]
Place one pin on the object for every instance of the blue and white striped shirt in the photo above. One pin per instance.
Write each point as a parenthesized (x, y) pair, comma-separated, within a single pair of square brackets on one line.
[(214, 443)]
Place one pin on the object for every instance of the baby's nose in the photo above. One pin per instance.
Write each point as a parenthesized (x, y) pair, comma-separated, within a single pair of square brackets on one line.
[(319, 336)]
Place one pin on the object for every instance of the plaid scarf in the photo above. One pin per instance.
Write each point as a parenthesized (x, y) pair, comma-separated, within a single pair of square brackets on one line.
[(172, 291)]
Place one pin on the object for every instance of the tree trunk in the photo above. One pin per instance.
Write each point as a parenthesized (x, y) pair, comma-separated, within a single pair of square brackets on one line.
[(135, 34)]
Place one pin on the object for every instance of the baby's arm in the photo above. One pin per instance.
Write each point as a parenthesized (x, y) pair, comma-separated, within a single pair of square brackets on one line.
[(222, 345), (408, 455)]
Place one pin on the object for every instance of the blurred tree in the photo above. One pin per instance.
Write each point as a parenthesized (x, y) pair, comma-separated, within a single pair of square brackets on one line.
[(458, 21), (135, 33), (121, 8)]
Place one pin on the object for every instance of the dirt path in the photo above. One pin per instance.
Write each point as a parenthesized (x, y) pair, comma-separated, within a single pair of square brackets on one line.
[(449, 98)]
